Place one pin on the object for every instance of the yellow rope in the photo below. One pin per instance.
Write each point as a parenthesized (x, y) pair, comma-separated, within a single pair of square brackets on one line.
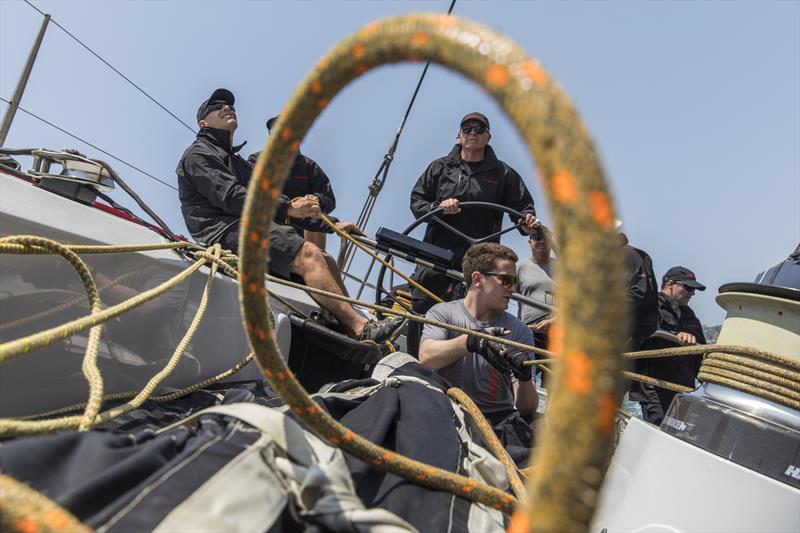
[(491, 440), (161, 398), (25, 345), (12, 248), (13, 428), (89, 365), (63, 307), (391, 267), (766, 376)]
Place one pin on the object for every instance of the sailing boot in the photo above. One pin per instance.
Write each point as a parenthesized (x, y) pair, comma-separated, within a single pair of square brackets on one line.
[(380, 331)]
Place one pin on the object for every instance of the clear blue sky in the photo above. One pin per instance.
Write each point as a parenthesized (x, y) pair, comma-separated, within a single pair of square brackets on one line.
[(695, 106)]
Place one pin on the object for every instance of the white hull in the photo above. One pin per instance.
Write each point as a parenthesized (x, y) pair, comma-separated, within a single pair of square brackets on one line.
[(134, 346)]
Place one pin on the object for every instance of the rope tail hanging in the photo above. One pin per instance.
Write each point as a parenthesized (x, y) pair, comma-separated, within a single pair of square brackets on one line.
[(572, 456)]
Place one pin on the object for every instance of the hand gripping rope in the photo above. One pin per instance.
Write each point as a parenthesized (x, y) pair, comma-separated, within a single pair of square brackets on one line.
[(572, 456)]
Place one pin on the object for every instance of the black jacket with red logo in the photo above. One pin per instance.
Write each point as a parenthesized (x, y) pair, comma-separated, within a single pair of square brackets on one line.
[(305, 177), (212, 186), (452, 177)]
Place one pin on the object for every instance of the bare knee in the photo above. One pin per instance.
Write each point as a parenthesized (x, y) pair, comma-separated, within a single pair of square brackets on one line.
[(308, 258)]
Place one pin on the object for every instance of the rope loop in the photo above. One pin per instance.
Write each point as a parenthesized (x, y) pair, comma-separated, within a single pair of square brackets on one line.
[(593, 310)]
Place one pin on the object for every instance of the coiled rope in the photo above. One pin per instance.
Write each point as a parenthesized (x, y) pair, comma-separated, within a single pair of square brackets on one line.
[(770, 377), (593, 313), (39, 245)]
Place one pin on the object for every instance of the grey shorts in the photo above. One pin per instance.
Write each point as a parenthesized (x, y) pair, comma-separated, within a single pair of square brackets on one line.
[(284, 243)]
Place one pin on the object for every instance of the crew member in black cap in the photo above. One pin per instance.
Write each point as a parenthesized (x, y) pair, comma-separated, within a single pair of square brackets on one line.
[(212, 185), (675, 316), (470, 172), (306, 178)]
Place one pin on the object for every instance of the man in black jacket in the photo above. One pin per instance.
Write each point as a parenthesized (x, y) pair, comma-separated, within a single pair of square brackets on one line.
[(675, 316), (306, 177), (471, 172), (212, 185)]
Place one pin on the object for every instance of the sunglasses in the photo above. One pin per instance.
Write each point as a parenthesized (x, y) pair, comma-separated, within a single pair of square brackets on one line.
[(216, 106), (506, 280), (478, 130), (688, 288)]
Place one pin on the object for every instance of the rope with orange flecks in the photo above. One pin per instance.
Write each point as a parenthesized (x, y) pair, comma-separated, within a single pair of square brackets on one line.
[(24, 510), (590, 281), (490, 439)]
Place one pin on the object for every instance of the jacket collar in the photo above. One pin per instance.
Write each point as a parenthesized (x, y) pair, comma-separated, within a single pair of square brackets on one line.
[(221, 138), (489, 158)]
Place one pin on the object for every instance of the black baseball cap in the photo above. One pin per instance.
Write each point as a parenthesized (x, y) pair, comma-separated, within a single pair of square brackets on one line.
[(480, 117), (683, 275), (220, 94), (271, 122)]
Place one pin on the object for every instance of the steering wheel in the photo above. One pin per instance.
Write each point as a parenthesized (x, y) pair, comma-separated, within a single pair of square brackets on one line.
[(432, 217)]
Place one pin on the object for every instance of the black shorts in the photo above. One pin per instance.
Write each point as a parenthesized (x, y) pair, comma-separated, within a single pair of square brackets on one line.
[(284, 243)]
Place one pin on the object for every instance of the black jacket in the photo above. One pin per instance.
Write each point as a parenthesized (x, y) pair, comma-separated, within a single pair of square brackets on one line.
[(212, 186), (675, 319), (642, 294), (305, 177), (451, 177)]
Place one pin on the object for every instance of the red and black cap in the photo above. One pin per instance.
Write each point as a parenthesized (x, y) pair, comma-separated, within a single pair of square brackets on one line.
[(479, 117), (683, 275), (223, 95)]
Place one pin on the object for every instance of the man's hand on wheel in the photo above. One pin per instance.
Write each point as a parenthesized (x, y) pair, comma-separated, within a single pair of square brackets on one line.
[(349, 227), (304, 207), (529, 223), (450, 206)]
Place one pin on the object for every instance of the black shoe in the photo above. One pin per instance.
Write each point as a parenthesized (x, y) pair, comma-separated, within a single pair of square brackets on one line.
[(380, 331)]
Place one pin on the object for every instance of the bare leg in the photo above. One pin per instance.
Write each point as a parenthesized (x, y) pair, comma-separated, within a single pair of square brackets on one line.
[(335, 273), (310, 263)]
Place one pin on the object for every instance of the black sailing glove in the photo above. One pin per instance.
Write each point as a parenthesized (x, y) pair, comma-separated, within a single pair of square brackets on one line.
[(516, 358), (491, 351)]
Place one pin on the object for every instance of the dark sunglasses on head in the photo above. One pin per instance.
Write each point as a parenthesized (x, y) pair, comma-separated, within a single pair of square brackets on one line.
[(507, 280), (216, 106), (478, 130)]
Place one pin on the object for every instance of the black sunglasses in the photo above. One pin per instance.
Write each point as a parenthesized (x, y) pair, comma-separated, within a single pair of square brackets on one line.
[(478, 130), (215, 106), (507, 280), (688, 288)]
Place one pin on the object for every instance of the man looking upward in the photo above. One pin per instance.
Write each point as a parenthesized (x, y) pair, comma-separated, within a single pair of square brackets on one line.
[(212, 186)]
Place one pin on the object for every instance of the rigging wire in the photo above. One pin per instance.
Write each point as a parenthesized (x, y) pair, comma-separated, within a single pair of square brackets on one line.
[(62, 130), (346, 254), (109, 65)]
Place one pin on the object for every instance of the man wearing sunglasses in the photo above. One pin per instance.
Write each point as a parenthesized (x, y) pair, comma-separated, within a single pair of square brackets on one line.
[(493, 375), (678, 286), (471, 172), (212, 185)]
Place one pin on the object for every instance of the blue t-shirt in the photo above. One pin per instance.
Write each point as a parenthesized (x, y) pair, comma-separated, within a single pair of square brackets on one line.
[(489, 389)]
